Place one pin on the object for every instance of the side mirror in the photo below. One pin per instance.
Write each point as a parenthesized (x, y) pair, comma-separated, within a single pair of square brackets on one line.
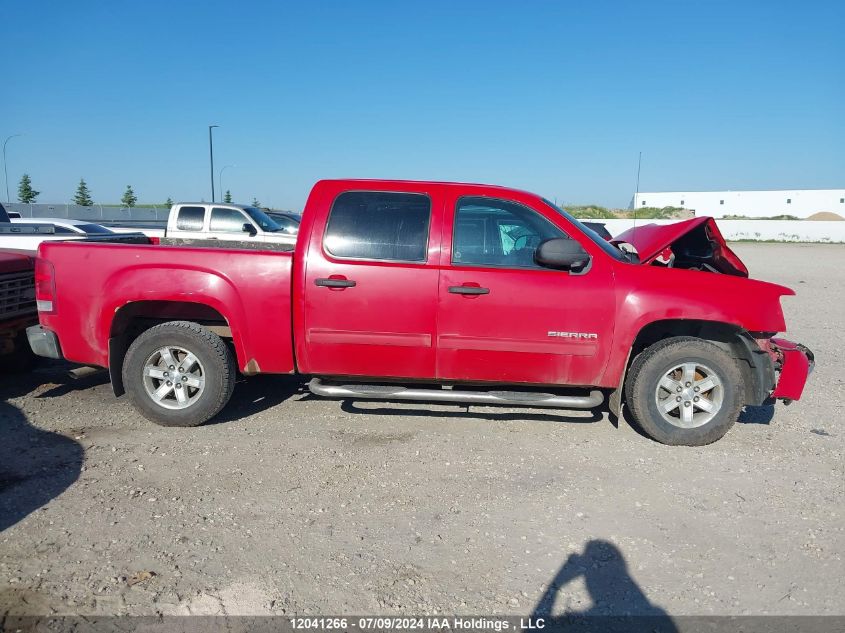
[(250, 228), (561, 253)]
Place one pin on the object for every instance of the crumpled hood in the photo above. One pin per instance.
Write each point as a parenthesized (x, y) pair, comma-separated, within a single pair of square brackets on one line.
[(695, 239)]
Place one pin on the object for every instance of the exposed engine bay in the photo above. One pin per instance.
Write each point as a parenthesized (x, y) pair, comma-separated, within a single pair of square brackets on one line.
[(693, 244)]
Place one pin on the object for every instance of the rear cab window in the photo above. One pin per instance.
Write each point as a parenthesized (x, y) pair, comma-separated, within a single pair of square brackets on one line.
[(378, 225), (190, 218)]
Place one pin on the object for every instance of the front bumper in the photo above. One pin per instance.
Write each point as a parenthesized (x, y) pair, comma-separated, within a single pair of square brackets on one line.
[(797, 362), (44, 342)]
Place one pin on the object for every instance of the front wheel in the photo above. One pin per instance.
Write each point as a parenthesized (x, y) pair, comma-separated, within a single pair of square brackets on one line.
[(685, 391), (179, 374)]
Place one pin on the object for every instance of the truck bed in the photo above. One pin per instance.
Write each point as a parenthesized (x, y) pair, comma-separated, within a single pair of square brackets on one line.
[(250, 288), (250, 245)]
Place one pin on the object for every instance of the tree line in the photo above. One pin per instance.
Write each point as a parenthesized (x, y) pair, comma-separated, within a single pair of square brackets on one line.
[(83, 197)]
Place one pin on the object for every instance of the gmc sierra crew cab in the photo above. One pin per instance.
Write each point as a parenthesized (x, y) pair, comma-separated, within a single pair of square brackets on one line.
[(437, 292)]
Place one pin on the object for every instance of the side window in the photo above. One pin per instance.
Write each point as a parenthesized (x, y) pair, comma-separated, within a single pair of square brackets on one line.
[(289, 225), (379, 225), (190, 218), (227, 221), (62, 230), (490, 232)]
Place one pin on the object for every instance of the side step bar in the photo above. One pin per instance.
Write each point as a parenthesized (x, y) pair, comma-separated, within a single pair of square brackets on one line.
[(509, 398)]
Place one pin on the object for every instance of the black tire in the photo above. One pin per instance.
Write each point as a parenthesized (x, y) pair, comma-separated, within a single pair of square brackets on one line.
[(654, 363), (217, 365), (21, 360)]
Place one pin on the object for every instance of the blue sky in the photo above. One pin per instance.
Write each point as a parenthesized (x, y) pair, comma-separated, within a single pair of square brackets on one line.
[(555, 97)]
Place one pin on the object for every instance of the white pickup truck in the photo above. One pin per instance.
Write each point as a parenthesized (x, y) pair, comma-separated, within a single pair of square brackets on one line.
[(199, 221)]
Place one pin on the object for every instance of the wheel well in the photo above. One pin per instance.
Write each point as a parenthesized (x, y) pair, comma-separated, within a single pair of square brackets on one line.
[(138, 316), (754, 363), (713, 331)]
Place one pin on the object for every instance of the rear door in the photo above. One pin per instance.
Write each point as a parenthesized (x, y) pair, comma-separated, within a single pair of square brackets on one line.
[(371, 285), (502, 317)]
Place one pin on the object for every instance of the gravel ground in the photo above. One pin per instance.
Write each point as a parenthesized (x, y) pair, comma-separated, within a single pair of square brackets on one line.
[(292, 504)]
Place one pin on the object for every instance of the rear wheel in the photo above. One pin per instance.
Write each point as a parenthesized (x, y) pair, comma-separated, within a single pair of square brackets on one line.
[(179, 374), (685, 391)]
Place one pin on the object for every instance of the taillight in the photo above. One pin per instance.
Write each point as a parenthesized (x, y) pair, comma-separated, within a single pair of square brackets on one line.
[(45, 286)]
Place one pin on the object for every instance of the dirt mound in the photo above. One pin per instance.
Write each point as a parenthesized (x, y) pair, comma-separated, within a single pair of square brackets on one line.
[(826, 215)]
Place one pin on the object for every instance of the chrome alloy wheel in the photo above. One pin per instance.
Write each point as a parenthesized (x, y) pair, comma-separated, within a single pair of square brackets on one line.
[(173, 377), (689, 395)]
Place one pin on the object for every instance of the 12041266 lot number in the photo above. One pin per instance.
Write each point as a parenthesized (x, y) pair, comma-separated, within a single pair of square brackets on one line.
[(411, 623), (365, 623)]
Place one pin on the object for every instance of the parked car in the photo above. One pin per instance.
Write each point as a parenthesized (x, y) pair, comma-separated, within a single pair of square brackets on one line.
[(599, 228), (47, 229), (436, 292), (193, 222), (17, 310), (65, 226), (17, 307), (149, 231), (288, 221)]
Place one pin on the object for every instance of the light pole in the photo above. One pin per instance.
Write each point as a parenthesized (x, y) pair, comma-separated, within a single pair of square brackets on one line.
[(211, 157), (5, 171), (220, 179)]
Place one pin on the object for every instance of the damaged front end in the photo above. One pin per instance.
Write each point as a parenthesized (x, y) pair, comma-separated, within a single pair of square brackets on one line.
[(697, 244), (693, 244), (793, 363)]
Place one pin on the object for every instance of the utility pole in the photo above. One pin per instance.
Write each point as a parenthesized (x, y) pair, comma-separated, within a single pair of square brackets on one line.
[(637, 193), (211, 158), (5, 171), (220, 180), (639, 165)]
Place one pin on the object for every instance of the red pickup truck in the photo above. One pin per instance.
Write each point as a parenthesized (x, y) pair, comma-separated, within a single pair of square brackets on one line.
[(438, 292), (17, 310)]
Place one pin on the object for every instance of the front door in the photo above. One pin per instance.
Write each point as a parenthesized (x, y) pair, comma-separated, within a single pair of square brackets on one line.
[(371, 287), (228, 225), (504, 318)]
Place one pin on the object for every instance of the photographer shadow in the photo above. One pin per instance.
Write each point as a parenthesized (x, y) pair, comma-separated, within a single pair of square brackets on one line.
[(618, 602), (35, 466)]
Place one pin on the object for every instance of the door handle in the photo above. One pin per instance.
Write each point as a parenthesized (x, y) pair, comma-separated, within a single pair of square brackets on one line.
[(335, 283), (469, 290)]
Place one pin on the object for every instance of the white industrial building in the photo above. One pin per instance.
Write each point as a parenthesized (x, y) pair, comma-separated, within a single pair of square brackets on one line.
[(802, 203)]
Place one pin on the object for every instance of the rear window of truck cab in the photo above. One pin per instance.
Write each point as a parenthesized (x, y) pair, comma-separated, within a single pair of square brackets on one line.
[(379, 225), (190, 218)]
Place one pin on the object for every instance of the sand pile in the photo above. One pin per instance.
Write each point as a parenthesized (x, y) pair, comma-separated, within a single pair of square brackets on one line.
[(826, 215)]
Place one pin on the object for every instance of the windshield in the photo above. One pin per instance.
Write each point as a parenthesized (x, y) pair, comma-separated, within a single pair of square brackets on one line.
[(594, 237), (93, 228), (285, 222), (262, 219)]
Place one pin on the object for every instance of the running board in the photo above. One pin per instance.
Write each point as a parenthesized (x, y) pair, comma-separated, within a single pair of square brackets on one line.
[(508, 398)]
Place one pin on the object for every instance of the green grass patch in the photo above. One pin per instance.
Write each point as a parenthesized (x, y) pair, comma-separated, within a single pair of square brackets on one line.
[(596, 212), (771, 217)]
